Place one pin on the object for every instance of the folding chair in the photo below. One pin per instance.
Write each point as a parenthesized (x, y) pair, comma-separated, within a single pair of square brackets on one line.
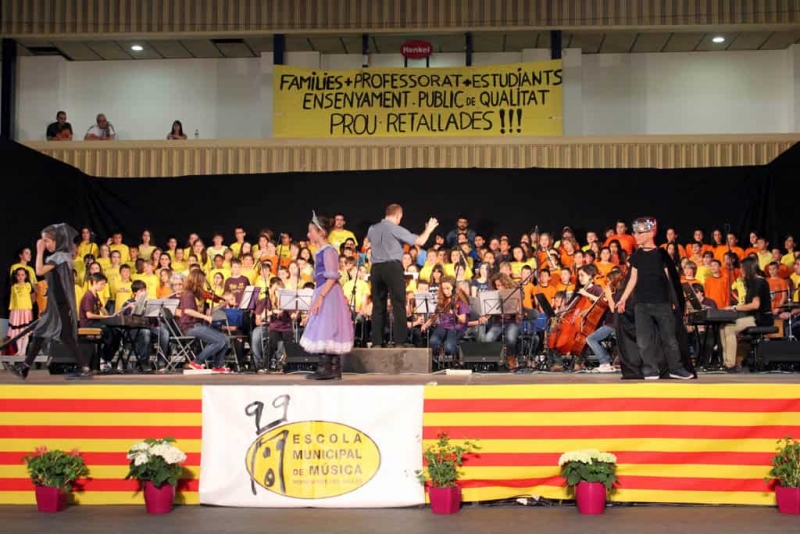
[(220, 318), (182, 351)]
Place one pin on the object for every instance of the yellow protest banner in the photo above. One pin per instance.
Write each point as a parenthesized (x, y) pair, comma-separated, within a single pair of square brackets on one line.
[(519, 99)]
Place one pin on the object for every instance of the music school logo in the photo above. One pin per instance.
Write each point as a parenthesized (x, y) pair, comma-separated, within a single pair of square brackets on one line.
[(309, 459)]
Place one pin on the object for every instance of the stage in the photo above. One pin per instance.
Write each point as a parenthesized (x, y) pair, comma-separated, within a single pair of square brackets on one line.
[(708, 441), (42, 377)]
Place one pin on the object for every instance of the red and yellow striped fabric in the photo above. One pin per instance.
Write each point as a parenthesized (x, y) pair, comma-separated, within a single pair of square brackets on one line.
[(675, 442), (102, 422)]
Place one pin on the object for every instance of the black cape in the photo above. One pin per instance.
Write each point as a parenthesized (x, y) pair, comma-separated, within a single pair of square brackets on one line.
[(60, 286), (630, 358)]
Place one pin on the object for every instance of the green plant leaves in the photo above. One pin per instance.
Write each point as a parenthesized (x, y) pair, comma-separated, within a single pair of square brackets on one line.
[(442, 461), (55, 469), (786, 464)]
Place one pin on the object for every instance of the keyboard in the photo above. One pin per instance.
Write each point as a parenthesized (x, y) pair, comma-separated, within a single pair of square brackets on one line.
[(711, 316), (126, 321)]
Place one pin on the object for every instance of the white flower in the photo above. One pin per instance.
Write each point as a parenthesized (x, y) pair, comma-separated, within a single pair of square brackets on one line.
[(174, 456), (592, 453), (141, 459), (587, 456), (170, 453), (141, 446), (606, 457), (575, 456)]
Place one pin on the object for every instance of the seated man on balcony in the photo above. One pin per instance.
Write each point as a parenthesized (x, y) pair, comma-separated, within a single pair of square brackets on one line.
[(60, 130), (101, 131)]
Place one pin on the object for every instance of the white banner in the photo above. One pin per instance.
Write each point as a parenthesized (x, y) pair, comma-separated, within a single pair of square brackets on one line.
[(312, 446)]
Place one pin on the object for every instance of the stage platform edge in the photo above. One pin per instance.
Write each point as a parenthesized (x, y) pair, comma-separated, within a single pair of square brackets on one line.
[(690, 443), (390, 361)]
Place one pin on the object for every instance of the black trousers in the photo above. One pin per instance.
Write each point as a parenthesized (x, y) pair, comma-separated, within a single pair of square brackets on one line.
[(656, 321), (388, 281), (69, 338)]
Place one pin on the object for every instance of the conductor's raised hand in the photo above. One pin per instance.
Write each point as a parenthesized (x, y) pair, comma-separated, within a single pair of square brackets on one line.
[(433, 222)]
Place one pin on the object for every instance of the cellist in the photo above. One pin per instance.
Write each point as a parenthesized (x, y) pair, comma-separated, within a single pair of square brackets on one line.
[(611, 293)]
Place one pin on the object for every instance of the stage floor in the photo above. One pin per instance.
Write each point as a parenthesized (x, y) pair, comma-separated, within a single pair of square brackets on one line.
[(42, 377), (619, 520)]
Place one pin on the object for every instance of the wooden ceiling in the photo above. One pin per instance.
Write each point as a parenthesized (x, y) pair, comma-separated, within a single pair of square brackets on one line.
[(590, 42)]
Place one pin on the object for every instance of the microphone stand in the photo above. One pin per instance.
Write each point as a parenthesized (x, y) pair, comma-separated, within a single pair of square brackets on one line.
[(729, 264), (535, 252), (503, 300), (273, 363), (353, 307)]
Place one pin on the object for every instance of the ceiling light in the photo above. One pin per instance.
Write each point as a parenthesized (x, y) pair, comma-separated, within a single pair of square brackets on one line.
[(139, 48), (718, 39)]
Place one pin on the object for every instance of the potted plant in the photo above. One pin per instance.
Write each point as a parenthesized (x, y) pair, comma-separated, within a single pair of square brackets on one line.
[(785, 475), (53, 473), (156, 464), (591, 474), (440, 474)]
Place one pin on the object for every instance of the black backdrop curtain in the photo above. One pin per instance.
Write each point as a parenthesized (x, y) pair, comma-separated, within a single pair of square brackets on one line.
[(40, 191)]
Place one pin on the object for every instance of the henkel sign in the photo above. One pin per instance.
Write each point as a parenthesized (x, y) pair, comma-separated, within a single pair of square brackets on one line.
[(416, 49)]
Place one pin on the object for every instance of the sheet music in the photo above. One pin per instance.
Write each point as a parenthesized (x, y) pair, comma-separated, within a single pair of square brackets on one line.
[(295, 300), (424, 303), (490, 302)]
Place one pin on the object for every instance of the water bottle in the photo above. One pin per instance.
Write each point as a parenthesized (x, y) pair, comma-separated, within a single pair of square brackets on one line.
[(197, 134)]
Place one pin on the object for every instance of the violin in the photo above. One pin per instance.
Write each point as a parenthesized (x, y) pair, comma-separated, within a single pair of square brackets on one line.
[(213, 297)]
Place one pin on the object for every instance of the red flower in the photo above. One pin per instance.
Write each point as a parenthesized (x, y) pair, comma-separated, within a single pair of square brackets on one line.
[(75, 452), (40, 451)]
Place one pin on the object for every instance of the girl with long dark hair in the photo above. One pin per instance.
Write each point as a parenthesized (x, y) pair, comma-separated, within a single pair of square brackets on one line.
[(756, 307)]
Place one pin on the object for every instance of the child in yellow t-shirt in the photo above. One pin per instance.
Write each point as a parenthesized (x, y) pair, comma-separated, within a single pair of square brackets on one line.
[(150, 279), (124, 291), (20, 307)]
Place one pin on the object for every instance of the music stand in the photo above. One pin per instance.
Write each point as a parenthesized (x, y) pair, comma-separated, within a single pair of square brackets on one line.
[(544, 305), (425, 304), (295, 300), (154, 307), (139, 307), (249, 298), (491, 302), (511, 302), (692, 297)]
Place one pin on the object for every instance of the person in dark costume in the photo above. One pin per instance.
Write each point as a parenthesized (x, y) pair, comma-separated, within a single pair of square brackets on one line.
[(60, 319), (652, 338)]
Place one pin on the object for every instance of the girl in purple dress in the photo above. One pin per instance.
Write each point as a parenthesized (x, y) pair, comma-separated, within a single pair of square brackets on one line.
[(329, 331)]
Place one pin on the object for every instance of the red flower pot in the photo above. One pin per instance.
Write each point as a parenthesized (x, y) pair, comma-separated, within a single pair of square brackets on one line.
[(158, 500), (788, 500), (50, 500), (591, 497), (445, 500)]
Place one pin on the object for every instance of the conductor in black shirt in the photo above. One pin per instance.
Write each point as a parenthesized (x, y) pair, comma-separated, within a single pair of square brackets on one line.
[(758, 307), (654, 308)]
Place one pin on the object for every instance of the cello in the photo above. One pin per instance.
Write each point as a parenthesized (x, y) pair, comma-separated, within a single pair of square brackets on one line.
[(581, 319)]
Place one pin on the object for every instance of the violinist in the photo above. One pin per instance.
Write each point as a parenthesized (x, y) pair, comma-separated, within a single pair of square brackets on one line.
[(507, 324), (278, 325), (191, 322), (452, 311), (611, 293)]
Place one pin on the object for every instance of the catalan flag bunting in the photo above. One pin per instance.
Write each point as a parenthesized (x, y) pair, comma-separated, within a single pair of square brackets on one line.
[(102, 422), (675, 443)]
